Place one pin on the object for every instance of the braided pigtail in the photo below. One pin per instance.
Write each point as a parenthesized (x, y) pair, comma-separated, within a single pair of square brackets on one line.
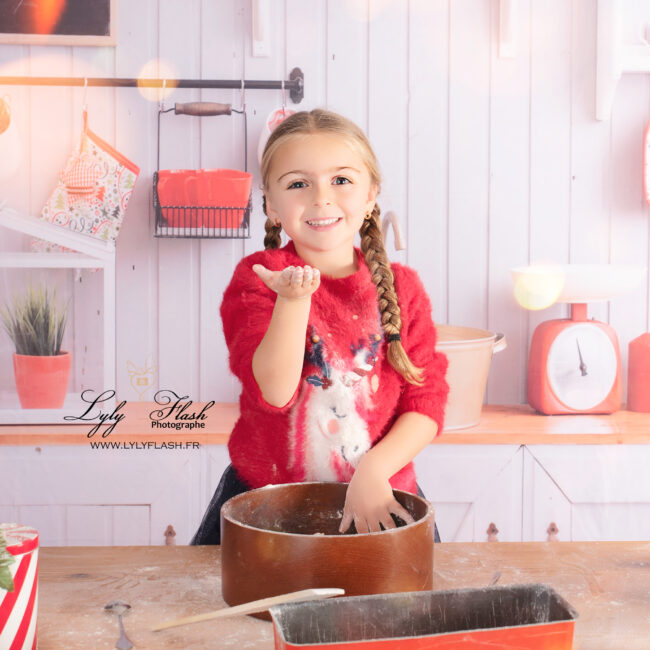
[(372, 246), (272, 239)]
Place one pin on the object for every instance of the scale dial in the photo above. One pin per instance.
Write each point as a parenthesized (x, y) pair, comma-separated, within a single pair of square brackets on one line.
[(582, 366)]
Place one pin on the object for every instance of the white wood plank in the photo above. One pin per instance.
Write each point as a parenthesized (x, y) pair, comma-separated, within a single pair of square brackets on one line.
[(500, 502), (88, 525), (305, 39), (88, 289), (162, 481), (20, 221), (178, 263), (130, 526), (544, 503), (48, 260), (137, 253), (611, 522), (14, 185), (550, 143), (8, 514), (460, 473), (590, 147), (222, 146), (628, 314), (347, 60), (49, 147), (260, 103), (49, 520), (454, 521), (509, 204), (617, 474), (388, 85), (428, 119), (469, 84)]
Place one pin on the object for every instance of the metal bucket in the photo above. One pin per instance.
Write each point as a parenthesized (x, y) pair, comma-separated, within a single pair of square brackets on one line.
[(469, 352)]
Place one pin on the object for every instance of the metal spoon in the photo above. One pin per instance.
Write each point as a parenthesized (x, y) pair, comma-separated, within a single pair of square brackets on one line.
[(119, 607)]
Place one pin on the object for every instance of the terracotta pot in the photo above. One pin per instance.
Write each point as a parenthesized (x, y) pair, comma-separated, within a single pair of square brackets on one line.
[(284, 538), (42, 382)]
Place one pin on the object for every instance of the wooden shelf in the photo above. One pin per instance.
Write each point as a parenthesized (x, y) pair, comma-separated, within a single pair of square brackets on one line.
[(500, 425)]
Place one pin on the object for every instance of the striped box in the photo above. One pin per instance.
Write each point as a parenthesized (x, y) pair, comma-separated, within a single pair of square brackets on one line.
[(18, 607)]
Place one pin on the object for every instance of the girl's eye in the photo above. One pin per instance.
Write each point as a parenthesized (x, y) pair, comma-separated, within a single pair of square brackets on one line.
[(341, 178), (297, 184)]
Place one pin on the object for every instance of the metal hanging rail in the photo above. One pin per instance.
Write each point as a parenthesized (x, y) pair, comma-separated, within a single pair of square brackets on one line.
[(295, 83)]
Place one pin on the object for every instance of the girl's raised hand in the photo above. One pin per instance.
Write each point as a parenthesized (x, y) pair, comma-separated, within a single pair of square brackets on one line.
[(293, 282)]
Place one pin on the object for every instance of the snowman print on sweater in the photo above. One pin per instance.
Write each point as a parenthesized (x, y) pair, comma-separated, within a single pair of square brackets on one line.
[(328, 432)]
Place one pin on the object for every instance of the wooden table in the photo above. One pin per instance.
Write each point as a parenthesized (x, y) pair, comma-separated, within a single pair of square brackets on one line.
[(607, 582)]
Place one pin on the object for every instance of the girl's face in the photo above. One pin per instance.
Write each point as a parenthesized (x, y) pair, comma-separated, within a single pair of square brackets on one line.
[(319, 189)]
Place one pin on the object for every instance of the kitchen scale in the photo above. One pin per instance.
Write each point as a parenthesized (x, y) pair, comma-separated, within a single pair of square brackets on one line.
[(574, 364)]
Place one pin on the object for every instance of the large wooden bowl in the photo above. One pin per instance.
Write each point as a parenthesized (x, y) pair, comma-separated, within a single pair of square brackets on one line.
[(284, 538)]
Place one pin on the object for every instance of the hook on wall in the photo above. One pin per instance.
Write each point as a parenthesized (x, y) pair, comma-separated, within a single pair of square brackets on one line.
[(84, 101), (243, 96)]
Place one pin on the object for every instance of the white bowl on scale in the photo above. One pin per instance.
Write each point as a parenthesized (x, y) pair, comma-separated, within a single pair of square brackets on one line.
[(540, 286)]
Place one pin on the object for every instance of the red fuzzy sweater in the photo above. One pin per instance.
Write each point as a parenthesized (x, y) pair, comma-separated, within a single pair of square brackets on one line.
[(349, 395)]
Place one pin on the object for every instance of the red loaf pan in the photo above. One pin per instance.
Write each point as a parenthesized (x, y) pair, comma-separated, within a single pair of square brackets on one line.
[(533, 617), (284, 538)]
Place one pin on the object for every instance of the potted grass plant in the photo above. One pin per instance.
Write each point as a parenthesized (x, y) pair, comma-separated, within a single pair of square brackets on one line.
[(36, 324)]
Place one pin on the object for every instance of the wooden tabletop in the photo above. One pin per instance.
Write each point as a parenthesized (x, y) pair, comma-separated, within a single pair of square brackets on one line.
[(608, 583), (517, 424)]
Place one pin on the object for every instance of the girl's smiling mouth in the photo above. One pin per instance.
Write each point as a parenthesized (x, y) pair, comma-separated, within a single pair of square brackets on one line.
[(323, 223)]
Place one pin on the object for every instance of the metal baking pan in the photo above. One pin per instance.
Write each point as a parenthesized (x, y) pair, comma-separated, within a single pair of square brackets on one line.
[(529, 616)]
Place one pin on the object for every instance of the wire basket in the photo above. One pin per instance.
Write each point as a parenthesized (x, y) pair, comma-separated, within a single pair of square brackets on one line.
[(200, 222)]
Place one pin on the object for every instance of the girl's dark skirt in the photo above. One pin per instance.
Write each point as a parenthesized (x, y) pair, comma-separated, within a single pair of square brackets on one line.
[(230, 485)]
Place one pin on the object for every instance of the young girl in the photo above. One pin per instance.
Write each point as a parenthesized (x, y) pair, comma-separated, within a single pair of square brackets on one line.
[(333, 345)]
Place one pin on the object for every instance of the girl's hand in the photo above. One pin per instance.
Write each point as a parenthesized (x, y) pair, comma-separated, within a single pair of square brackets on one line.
[(369, 501), (292, 282)]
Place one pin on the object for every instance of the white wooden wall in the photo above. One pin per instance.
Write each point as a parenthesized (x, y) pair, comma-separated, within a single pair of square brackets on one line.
[(490, 163)]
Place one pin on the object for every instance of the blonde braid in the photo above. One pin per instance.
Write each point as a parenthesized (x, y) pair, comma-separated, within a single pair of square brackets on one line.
[(272, 239), (372, 246)]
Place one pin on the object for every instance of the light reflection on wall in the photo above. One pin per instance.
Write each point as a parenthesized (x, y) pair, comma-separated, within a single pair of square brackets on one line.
[(157, 69), (11, 149)]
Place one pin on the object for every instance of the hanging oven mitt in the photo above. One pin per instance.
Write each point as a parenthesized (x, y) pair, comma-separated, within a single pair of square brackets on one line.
[(93, 191)]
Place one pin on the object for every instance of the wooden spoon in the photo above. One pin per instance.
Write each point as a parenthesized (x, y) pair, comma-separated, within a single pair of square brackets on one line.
[(254, 606)]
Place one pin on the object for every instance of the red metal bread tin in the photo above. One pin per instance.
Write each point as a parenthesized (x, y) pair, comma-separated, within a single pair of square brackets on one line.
[(530, 616)]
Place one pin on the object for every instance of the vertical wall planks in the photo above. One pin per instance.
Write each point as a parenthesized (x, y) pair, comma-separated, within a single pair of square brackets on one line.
[(427, 180), (50, 145), (88, 288), (629, 213), (178, 259), (137, 250), (50, 125), (469, 92), (306, 49), (550, 143), (260, 104), (14, 187), (509, 202), (222, 142), (590, 153), (490, 163), (346, 82), (388, 108)]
